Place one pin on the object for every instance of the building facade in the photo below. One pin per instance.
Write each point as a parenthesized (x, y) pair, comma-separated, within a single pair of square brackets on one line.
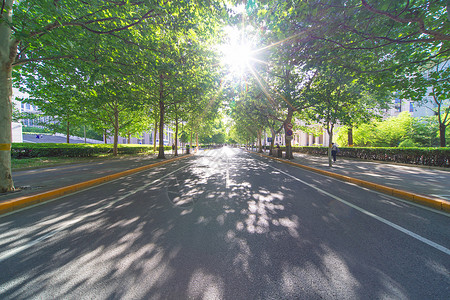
[(146, 138)]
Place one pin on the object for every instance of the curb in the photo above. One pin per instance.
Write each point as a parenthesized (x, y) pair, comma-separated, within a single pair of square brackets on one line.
[(24, 201), (433, 202)]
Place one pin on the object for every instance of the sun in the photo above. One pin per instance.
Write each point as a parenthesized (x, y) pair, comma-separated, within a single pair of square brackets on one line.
[(236, 52)]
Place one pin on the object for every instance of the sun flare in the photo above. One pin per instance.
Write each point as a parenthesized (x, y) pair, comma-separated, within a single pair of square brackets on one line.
[(236, 52), (237, 58)]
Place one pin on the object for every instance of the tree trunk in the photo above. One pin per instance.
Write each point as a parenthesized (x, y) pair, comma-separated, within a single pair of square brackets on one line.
[(161, 129), (6, 182), (155, 133), (259, 141), (190, 142), (129, 139), (350, 136), (162, 110), (176, 136), (442, 129), (8, 52), (272, 142), (116, 130), (68, 132), (106, 136), (196, 141), (287, 138), (330, 141)]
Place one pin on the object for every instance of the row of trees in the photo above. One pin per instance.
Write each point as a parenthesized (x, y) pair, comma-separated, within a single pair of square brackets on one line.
[(340, 62), (119, 66), (122, 65)]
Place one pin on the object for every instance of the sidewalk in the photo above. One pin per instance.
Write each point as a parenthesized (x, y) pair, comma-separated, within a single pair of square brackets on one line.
[(35, 181), (419, 180)]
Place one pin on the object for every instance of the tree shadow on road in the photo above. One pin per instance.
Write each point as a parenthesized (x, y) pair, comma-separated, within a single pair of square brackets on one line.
[(213, 230)]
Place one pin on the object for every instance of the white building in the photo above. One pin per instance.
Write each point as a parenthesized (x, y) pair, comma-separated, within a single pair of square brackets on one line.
[(147, 138), (16, 130)]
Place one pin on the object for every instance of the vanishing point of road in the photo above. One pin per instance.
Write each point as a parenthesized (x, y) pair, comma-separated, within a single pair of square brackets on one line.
[(225, 224)]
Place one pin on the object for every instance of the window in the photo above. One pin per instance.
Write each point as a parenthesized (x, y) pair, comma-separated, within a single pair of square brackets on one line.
[(398, 104), (411, 107)]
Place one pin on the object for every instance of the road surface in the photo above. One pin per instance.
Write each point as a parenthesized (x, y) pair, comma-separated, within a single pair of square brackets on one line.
[(225, 224)]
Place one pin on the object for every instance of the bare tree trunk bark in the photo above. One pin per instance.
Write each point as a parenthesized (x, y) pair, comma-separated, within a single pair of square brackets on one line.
[(350, 136), (176, 136), (162, 109), (161, 130), (288, 139), (330, 141), (8, 50), (272, 142), (6, 182), (155, 133), (68, 131), (196, 141), (116, 131), (442, 129), (259, 141)]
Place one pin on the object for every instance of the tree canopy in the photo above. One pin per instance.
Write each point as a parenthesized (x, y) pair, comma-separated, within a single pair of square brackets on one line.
[(128, 66)]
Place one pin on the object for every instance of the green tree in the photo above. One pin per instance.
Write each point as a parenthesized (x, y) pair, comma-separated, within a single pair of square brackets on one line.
[(55, 92), (344, 99), (425, 131), (39, 31), (390, 132), (433, 84)]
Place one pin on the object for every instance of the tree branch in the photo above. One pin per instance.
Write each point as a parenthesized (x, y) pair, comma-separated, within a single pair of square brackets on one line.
[(84, 25), (419, 21), (24, 61)]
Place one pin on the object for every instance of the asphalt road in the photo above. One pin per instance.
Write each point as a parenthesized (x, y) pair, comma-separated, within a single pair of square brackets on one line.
[(225, 225)]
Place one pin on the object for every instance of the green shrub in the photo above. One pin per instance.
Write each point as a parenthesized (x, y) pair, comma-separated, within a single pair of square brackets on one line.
[(27, 150), (35, 130), (419, 156), (408, 143)]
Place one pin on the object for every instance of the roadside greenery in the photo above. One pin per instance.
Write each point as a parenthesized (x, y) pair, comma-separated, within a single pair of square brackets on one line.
[(437, 157), (27, 150), (400, 131), (35, 130)]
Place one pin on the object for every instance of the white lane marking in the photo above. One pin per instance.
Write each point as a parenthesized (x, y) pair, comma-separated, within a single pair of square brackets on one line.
[(395, 226), (8, 254), (433, 210)]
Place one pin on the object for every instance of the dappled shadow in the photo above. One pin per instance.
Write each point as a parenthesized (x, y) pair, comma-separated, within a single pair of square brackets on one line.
[(421, 180), (215, 229)]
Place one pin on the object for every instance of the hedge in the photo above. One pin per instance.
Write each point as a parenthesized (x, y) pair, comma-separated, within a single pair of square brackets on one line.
[(28, 150), (439, 157)]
